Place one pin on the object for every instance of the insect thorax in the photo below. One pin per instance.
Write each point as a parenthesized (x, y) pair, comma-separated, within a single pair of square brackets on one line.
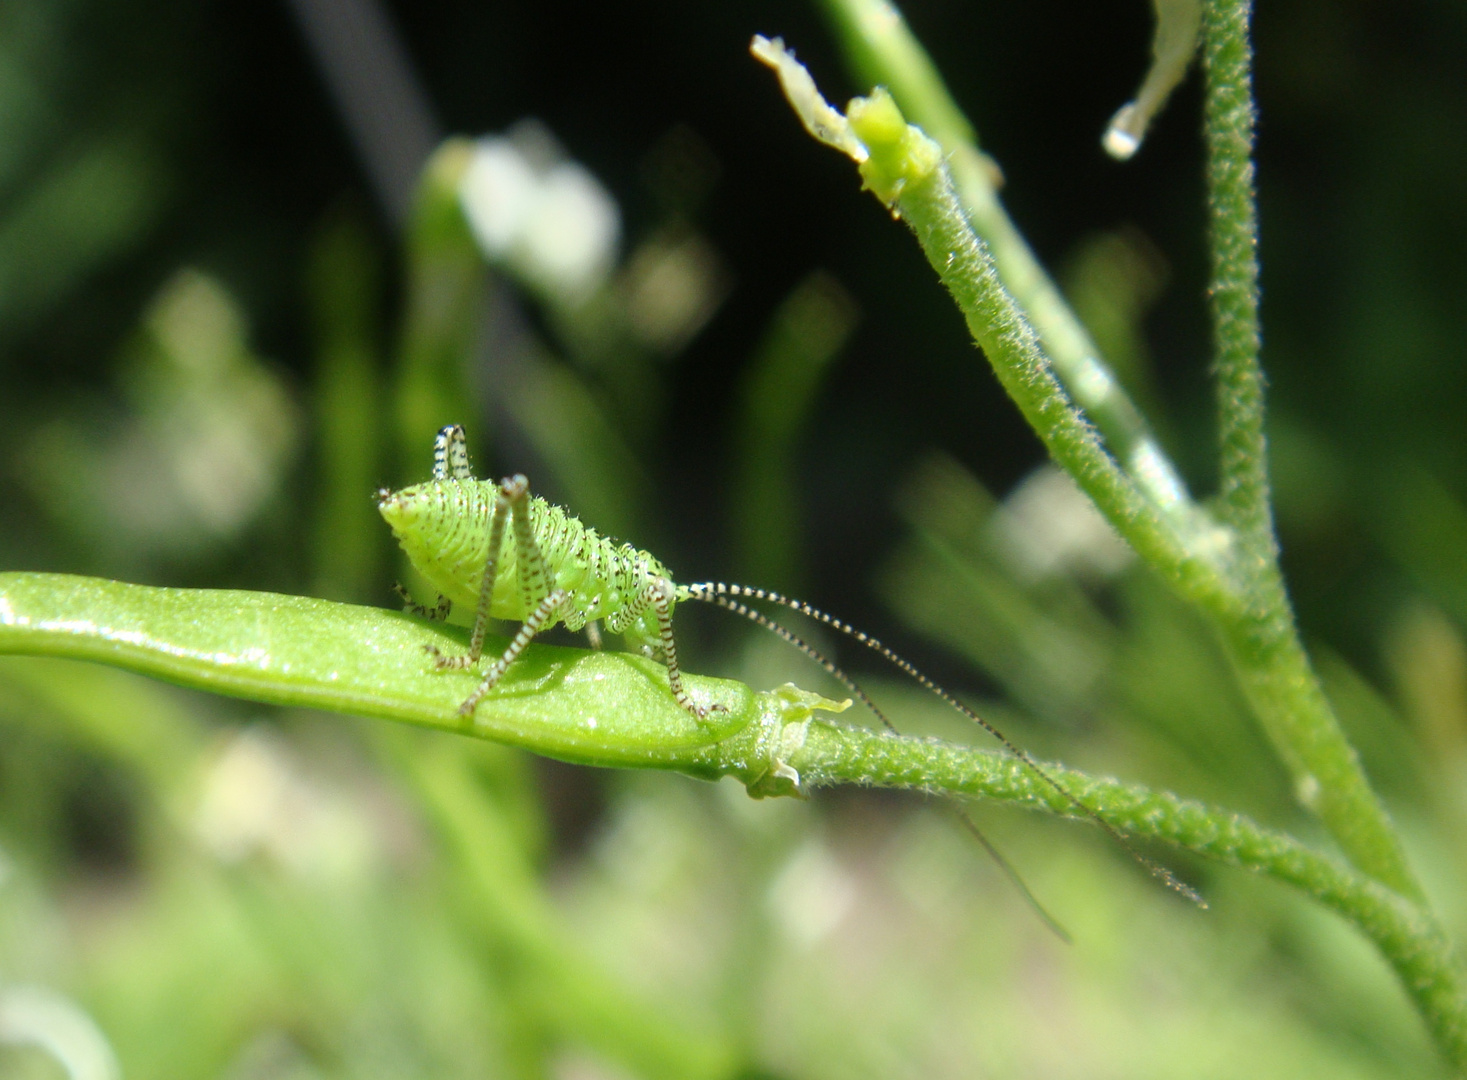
[(443, 527)]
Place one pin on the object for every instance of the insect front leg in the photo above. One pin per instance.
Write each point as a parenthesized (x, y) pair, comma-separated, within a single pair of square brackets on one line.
[(544, 615), (516, 487), (659, 595)]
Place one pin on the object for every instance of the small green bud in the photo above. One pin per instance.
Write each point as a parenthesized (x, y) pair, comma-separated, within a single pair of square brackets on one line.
[(900, 153), (785, 715)]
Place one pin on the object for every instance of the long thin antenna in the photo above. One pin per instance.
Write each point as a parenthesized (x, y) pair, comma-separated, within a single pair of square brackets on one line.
[(1013, 875), (799, 643), (850, 684), (719, 593)]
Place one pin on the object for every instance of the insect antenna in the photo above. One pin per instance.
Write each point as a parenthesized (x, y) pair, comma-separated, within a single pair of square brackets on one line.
[(740, 608), (809, 650), (1014, 878), (722, 594)]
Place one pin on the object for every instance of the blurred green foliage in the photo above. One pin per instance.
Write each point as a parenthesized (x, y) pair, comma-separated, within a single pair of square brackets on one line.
[(212, 351)]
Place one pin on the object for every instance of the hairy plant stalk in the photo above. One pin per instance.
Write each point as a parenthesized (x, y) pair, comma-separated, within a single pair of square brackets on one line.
[(879, 44), (1230, 569), (1244, 499), (1260, 634), (1406, 934), (1246, 596), (1199, 563)]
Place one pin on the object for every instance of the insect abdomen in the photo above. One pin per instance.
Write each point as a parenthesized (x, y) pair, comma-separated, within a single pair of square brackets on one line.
[(602, 575)]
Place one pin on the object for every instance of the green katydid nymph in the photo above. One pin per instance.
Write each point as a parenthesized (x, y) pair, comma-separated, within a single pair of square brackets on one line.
[(506, 554)]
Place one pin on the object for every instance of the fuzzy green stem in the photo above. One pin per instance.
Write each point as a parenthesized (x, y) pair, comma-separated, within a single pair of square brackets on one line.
[(1234, 575), (1230, 571), (879, 44), (1190, 551), (1263, 644), (1248, 598), (1231, 204), (1261, 636), (1406, 935), (1236, 581)]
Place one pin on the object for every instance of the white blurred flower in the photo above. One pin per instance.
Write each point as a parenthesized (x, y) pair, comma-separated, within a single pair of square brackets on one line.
[(811, 895), (1048, 526), (497, 192), (258, 799), (544, 218)]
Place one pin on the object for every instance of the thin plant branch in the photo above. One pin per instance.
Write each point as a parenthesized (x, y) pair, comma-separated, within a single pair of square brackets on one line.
[(880, 45)]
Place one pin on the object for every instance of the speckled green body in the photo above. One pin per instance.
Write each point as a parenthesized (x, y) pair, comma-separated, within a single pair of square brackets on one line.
[(443, 527)]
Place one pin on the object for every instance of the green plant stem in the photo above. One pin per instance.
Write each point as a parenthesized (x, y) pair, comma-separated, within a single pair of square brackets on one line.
[(1188, 552), (1231, 571), (999, 285), (1238, 584), (1263, 644), (1406, 935), (1231, 203), (879, 44), (1260, 634)]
